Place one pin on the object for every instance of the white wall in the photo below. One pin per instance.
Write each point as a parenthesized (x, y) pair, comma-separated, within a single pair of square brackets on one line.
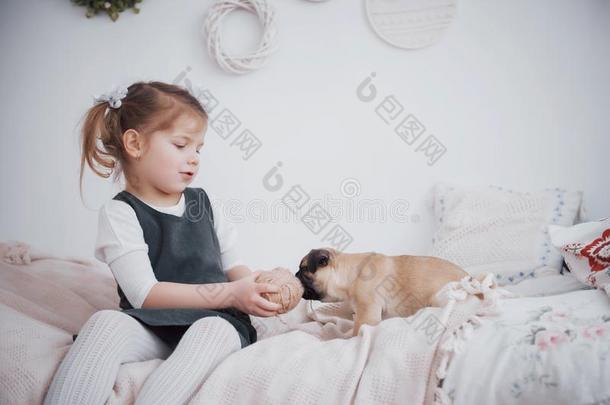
[(517, 91)]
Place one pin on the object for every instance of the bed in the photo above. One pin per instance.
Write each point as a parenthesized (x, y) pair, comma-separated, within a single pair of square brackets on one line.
[(549, 343), (528, 332)]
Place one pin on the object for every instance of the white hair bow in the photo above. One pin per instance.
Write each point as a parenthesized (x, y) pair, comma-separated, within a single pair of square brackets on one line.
[(113, 98)]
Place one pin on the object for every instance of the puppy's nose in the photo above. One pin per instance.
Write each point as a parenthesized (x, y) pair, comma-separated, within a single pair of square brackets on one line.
[(305, 282)]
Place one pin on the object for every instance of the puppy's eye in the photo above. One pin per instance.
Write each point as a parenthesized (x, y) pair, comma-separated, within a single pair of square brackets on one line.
[(323, 261)]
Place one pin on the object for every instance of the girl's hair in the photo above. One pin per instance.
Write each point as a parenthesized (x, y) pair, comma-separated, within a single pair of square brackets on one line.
[(147, 107)]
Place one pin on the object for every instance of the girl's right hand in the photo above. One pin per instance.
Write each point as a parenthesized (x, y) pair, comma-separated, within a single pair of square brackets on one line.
[(247, 298)]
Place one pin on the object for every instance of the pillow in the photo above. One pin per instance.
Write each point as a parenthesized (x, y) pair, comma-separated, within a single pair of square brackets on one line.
[(501, 231), (586, 251)]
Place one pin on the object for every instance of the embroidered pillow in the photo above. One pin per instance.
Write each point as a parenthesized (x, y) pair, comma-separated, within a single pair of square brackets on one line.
[(501, 231), (586, 251)]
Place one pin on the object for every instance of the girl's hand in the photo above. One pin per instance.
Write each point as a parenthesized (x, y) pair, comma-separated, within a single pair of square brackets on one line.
[(247, 298)]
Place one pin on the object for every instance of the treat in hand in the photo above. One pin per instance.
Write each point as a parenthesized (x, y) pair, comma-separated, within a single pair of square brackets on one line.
[(291, 289)]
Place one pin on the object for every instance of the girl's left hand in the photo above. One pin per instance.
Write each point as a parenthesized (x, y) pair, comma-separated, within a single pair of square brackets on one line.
[(247, 298)]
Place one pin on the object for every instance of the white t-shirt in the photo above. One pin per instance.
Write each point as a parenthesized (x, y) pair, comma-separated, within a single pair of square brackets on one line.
[(120, 244)]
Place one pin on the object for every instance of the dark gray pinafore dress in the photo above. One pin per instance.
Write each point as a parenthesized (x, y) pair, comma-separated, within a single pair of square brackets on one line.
[(182, 250)]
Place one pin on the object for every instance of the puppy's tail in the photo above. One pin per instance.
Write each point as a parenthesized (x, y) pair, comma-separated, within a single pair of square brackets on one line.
[(480, 277)]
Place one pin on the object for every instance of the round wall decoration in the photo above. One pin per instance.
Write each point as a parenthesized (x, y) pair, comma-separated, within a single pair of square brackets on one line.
[(212, 30), (410, 24)]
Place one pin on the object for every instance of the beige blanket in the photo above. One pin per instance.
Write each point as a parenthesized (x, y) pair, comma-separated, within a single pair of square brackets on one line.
[(305, 356), (44, 300)]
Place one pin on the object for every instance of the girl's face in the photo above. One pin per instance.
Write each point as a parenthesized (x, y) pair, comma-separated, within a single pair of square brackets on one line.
[(171, 158)]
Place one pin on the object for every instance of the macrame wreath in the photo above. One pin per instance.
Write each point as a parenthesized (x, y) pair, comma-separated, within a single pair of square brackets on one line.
[(212, 30), (291, 289), (267, 46)]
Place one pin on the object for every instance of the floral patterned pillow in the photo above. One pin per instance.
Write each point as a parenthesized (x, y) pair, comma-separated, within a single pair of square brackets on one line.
[(586, 251)]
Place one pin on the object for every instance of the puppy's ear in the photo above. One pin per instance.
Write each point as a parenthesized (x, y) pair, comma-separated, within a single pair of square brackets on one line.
[(321, 258)]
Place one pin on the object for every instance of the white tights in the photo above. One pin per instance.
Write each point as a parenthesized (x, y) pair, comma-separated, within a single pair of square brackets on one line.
[(110, 338)]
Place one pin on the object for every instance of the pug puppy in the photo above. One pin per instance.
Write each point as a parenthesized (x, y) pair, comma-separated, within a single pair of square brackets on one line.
[(377, 286)]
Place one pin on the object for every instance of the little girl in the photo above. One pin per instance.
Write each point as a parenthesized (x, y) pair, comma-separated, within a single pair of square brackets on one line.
[(182, 288)]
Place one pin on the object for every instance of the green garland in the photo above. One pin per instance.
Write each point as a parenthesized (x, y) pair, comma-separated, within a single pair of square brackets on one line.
[(110, 7)]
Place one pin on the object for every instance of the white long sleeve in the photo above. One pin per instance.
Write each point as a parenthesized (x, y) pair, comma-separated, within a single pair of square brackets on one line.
[(227, 239), (120, 243)]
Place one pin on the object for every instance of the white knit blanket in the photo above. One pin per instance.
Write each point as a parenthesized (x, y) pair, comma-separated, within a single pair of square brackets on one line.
[(309, 357), (305, 356)]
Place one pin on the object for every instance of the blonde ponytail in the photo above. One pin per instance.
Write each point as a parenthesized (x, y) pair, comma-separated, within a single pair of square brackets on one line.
[(101, 126), (146, 107)]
